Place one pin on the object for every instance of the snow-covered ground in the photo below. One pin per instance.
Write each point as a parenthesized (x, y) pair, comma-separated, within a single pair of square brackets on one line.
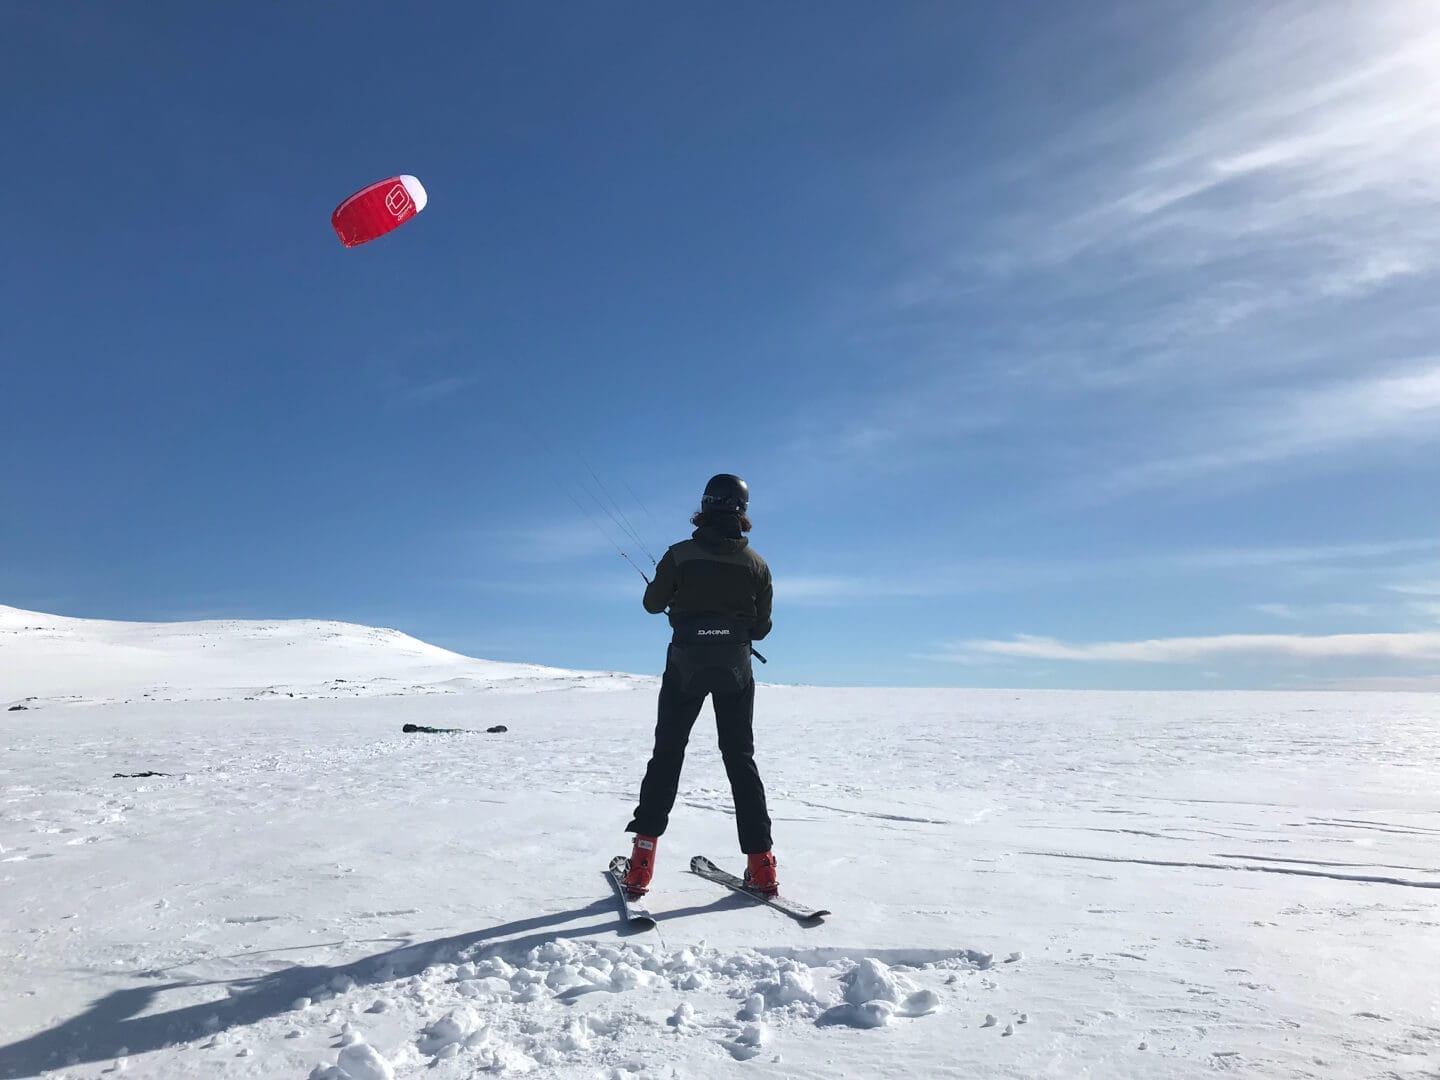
[(1023, 884)]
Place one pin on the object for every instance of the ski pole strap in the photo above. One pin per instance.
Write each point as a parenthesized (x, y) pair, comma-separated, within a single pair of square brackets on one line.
[(756, 653)]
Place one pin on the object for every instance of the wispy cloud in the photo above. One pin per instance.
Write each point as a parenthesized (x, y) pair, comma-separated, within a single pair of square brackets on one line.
[(436, 389), (1192, 262), (1426, 609), (1300, 128), (1407, 612), (610, 588), (933, 579), (1274, 426), (1281, 555), (556, 542), (1394, 683), (1417, 588), (1189, 650), (1297, 612)]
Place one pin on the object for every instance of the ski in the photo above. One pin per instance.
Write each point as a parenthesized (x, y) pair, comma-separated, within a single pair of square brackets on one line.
[(636, 913), (707, 869), (423, 729)]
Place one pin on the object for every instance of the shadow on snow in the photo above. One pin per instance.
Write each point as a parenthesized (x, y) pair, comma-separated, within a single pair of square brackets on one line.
[(112, 1026)]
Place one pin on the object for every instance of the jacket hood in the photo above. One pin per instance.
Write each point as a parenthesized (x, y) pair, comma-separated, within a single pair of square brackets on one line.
[(722, 536)]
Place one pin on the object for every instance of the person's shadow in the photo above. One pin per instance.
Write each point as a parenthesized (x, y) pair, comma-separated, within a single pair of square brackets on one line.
[(111, 1025)]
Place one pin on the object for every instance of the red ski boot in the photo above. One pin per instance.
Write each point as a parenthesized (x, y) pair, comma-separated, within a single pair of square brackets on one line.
[(642, 865), (760, 874)]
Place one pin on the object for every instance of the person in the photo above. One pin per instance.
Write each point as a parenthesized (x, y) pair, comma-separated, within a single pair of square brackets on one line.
[(718, 594)]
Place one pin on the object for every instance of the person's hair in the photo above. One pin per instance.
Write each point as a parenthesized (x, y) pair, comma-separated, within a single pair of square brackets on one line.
[(703, 517)]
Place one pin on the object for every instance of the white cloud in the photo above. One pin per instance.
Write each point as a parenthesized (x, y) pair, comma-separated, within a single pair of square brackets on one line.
[(1417, 588), (561, 541), (1280, 611), (1205, 237), (436, 389), (1426, 609), (1276, 426), (1295, 612), (1309, 127), (1222, 558), (1405, 683), (930, 579), (1287, 130), (1187, 650)]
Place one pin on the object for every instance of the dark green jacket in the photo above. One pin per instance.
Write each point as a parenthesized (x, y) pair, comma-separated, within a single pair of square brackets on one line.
[(714, 572)]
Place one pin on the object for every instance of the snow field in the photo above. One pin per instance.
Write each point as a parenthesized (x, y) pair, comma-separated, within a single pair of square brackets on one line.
[(1178, 884)]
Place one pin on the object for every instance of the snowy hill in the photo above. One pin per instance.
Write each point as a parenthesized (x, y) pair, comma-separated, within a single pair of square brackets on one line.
[(1128, 886), (53, 659)]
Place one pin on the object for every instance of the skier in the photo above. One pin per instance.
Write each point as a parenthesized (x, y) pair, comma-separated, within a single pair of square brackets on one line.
[(718, 594)]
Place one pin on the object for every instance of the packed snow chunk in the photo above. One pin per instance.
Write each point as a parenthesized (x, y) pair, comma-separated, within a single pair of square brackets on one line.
[(530, 994), (872, 1014), (502, 1057), (696, 980), (685, 960), (754, 1007), (363, 1062), (525, 976), (756, 1035), (625, 977), (990, 1020), (490, 988), (559, 951), (563, 976), (920, 1003), (683, 1017), (491, 966), (575, 1037), (451, 1029), (871, 980), (795, 986), (749, 1042)]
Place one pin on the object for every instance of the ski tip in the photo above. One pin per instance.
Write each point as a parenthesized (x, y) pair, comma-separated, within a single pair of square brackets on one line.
[(700, 862)]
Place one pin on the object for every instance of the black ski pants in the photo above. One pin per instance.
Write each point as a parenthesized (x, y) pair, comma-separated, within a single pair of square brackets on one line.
[(734, 717)]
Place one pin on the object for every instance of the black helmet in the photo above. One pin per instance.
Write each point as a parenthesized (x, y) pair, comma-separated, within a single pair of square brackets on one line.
[(726, 493)]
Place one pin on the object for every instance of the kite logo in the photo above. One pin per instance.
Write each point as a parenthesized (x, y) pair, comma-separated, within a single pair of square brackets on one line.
[(398, 200)]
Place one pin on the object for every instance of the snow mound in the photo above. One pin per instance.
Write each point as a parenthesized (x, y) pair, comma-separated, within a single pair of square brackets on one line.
[(628, 989), (52, 659)]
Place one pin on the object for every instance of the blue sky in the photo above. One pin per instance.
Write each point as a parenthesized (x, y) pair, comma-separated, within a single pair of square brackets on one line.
[(1071, 346)]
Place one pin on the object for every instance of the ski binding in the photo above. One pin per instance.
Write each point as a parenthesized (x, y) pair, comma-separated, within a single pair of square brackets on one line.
[(796, 910)]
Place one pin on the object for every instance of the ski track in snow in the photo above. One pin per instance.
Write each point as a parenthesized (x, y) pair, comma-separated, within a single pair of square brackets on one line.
[(1023, 884)]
